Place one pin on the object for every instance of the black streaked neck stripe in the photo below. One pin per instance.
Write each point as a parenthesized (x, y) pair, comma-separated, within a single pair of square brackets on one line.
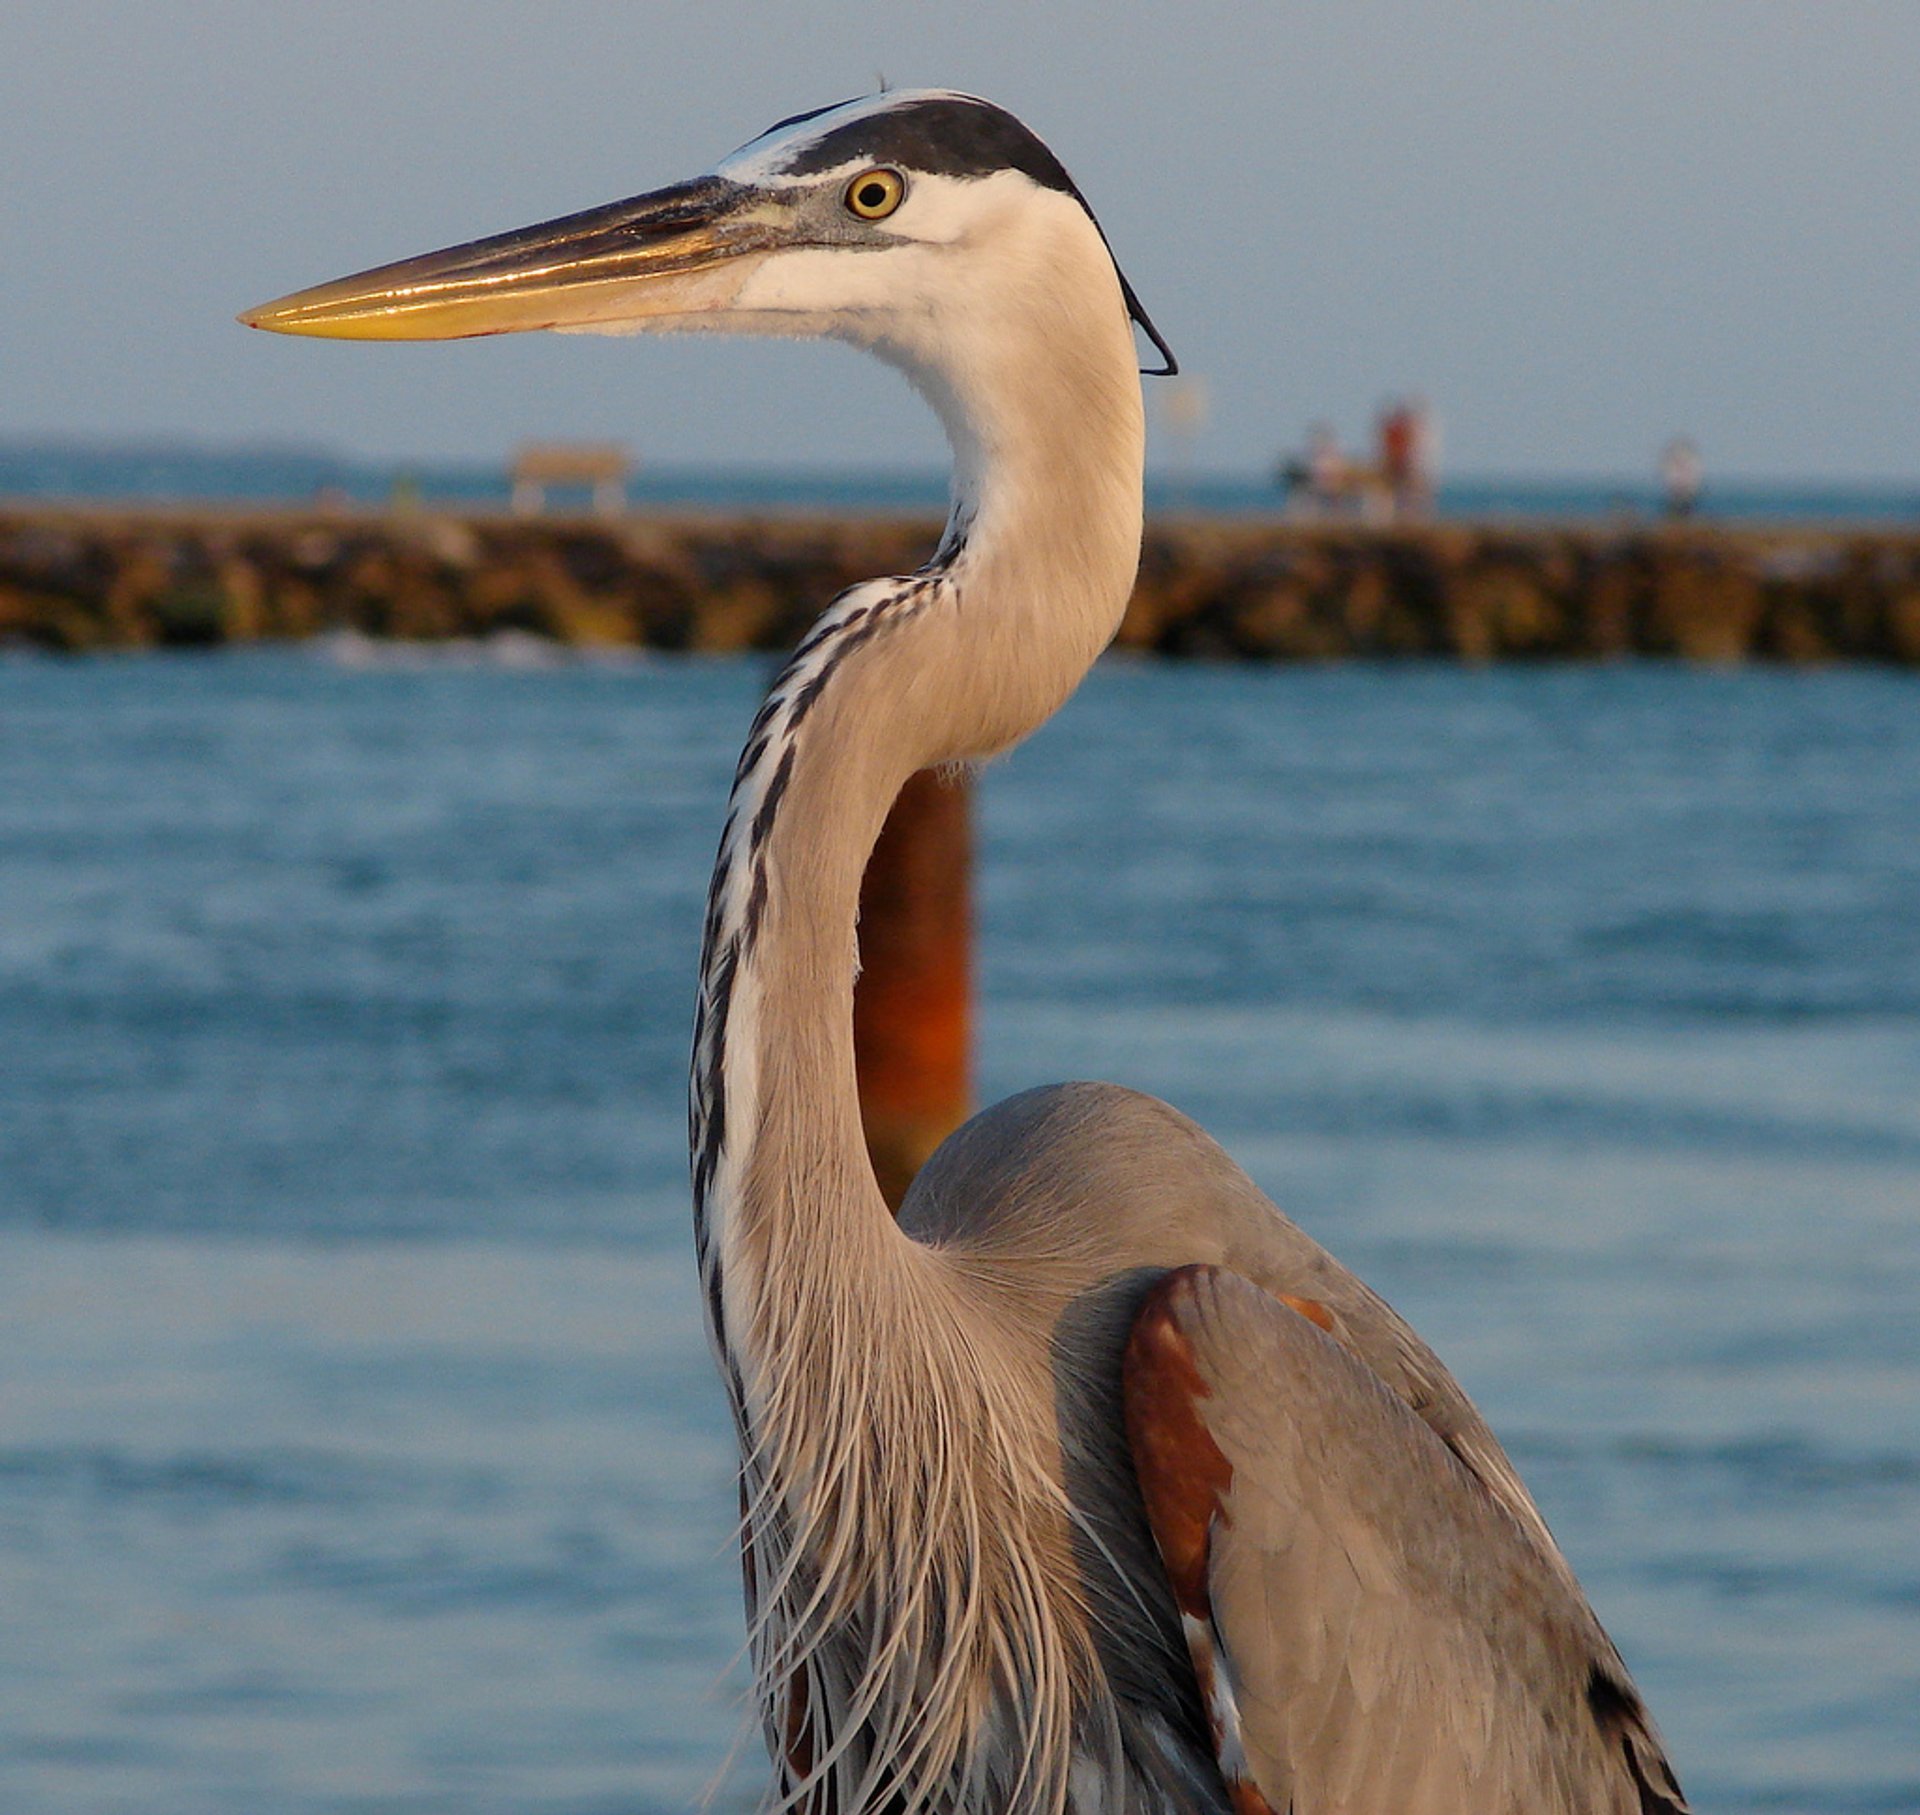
[(737, 897)]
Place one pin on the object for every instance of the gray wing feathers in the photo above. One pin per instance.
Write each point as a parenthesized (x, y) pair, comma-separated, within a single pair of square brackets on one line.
[(1291, 1266), (1016, 1179), (1386, 1630)]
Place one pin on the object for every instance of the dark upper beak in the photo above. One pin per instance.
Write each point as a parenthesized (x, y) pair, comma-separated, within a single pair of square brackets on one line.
[(627, 261)]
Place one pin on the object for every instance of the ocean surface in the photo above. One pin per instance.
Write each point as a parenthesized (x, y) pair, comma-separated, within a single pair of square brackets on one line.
[(358, 1445), (164, 473)]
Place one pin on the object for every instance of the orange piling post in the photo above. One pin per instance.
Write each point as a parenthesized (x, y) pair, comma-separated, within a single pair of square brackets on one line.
[(913, 1005)]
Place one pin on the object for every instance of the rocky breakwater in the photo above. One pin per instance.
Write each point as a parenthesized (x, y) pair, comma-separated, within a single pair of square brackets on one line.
[(79, 579)]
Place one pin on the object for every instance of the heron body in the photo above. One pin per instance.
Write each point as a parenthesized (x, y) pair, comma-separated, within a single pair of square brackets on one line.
[(1090, 1483)]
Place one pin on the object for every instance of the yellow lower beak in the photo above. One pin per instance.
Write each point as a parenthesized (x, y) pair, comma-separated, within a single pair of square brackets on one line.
[(653, 256)]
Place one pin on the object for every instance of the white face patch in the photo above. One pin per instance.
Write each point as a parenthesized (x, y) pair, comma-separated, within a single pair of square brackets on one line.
[(944, 210), (929, 136)]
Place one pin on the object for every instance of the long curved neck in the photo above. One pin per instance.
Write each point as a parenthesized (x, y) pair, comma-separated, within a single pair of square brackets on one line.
[(950, 664)]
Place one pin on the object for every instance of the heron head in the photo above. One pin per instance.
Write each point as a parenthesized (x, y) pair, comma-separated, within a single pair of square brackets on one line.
[(895, 221)]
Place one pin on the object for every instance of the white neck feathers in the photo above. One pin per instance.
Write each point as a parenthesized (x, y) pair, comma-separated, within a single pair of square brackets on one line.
[(1029, 362), (818, 1304)]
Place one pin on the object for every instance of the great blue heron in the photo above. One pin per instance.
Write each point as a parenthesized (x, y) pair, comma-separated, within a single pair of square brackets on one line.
[(1091, 1483)]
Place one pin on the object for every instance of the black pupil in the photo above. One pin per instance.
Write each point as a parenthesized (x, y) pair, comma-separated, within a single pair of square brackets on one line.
[(873, 195)]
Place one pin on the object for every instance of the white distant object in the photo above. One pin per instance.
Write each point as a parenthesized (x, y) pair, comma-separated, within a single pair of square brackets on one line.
[(1682, 475)]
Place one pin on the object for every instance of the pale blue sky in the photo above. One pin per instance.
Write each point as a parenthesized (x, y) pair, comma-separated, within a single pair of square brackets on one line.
[(1577, 228)]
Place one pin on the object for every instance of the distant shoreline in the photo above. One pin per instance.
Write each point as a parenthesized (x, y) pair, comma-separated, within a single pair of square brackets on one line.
[(93, 575), (48, 471)]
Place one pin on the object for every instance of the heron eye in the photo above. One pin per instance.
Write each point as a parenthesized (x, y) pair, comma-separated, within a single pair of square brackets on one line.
[(875, 194)]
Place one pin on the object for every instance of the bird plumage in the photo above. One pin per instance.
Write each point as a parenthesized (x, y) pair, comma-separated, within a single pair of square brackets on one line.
[(1091, 1483)]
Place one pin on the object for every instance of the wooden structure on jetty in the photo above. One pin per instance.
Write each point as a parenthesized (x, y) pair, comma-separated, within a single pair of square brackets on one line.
[(600, 469)]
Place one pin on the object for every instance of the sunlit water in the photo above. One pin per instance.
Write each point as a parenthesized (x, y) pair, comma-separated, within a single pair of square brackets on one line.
[(358, 1449)]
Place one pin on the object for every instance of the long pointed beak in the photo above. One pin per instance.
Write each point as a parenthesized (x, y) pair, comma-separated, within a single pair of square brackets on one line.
[(657, 255)]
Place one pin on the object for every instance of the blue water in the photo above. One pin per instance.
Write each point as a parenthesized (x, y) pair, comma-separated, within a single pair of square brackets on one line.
[(165, 473), (357, 1445)]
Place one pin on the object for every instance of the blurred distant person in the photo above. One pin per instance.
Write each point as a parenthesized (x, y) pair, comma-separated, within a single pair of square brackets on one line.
[(1326, 468), (1318, 479), (1680, 477), (1409, 456), (1424, 476)]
